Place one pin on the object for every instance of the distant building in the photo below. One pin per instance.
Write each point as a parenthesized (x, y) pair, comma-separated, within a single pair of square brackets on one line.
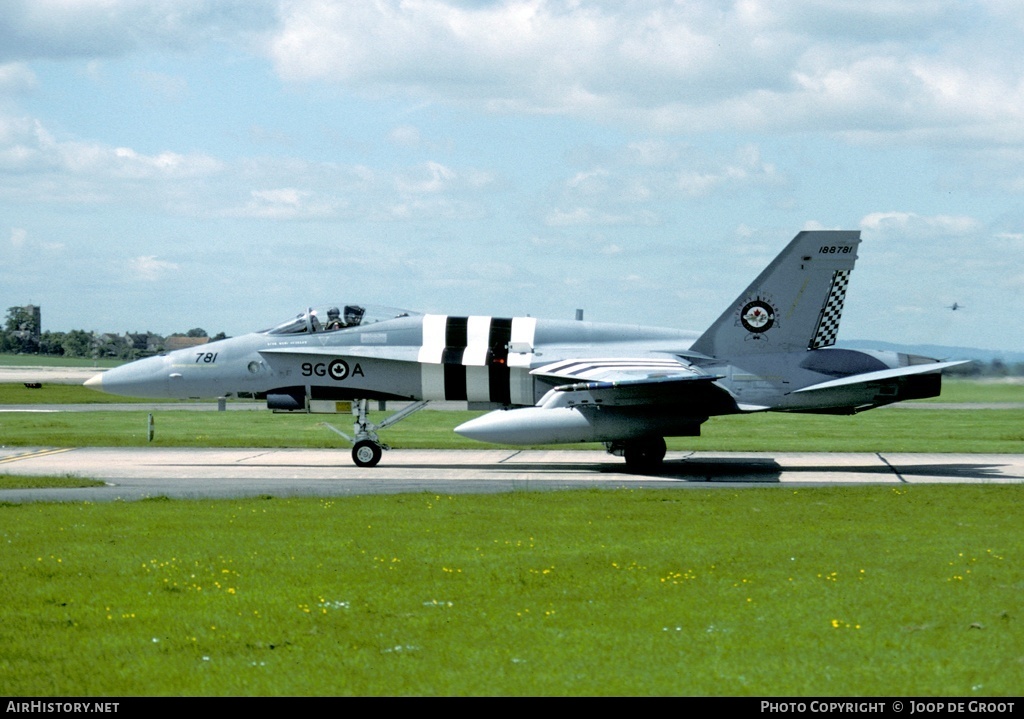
[(144, 344), (107, 344)]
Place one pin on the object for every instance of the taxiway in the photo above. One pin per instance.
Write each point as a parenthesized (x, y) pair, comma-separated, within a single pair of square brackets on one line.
[(187, 473)]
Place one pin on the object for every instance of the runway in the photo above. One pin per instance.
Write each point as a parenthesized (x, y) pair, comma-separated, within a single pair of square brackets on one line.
[(133, 474)]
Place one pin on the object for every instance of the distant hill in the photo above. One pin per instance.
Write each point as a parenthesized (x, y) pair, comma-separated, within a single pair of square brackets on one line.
[(941, 352)]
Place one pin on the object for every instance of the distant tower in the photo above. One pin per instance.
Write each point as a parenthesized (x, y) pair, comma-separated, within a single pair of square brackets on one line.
[(35, 323), (24, 325)]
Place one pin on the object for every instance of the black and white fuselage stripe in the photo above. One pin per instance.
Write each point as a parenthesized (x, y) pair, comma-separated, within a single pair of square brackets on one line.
[(477, 358)]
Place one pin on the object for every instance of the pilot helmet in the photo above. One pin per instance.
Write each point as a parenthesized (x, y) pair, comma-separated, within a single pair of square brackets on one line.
[(353, 314), (333, 313)]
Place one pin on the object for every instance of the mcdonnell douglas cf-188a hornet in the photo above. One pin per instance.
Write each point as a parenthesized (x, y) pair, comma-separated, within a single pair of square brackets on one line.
[(551, 381)]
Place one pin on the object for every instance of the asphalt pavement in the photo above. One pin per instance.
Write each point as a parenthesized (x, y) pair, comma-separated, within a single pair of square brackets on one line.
[(193, 473)]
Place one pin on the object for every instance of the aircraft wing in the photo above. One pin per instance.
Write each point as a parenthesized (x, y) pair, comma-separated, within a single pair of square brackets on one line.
[(625, 382)]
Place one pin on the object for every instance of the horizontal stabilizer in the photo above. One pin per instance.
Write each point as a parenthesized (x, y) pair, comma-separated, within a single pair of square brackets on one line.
[(881, 375)]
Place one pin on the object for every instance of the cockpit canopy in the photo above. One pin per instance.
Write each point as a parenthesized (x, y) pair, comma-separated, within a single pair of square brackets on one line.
[(331, 318)]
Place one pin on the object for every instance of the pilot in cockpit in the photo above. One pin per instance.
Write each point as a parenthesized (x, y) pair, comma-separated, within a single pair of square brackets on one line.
[(333, 320), (353, 315)]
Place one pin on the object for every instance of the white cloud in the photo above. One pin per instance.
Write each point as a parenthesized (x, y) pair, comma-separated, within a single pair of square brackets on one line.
[(287, 203), (1014, 238), (43, 168), (24, 247), (19, 235), (929, 71), (168, 87), (865, 68), (150, 269), (105, 28), (433, 177), (632, 185), (27, 146), (581, 216), (909, 224), (405, 136), (288, 197), (747, 170), (427, 208), (876, 70), (16, 77)]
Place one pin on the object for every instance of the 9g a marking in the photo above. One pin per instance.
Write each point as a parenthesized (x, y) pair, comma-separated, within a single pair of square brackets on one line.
[(335, 369)]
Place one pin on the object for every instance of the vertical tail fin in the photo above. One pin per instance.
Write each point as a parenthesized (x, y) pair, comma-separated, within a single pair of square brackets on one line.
[(794, 304)]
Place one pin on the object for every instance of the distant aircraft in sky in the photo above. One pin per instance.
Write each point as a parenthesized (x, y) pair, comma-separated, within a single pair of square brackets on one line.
[(955, 306), (562, 381)]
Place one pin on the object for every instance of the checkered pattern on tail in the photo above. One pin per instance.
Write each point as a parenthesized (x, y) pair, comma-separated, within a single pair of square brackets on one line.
[(828, 320)]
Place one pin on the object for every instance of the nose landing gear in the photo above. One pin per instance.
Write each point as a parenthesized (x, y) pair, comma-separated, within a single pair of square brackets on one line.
[(367, 448)]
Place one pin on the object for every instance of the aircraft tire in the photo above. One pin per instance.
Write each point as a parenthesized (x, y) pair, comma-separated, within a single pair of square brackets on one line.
[(645, 455), (366, 453)]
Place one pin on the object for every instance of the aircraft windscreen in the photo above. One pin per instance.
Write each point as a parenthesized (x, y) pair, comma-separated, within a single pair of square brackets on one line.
[(330, 318)]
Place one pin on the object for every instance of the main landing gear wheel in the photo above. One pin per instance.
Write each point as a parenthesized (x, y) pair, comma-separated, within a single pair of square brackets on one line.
[(366, 453), (644, 455)]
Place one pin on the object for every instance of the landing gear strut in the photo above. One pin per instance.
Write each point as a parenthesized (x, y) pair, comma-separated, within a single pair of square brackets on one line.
[(366, 445), (642, 455)]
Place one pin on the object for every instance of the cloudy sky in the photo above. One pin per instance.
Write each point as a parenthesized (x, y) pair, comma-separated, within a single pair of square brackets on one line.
[(167, 164)]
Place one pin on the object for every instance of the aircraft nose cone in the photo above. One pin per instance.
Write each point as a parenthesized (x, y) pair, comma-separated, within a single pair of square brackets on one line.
[(141, 378)]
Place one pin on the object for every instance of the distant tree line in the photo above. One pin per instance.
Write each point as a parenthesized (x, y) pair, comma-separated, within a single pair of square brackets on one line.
[(21, 335), (994, 368)]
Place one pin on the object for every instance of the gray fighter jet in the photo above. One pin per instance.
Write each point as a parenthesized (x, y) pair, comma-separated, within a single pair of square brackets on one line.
[(550, 381)]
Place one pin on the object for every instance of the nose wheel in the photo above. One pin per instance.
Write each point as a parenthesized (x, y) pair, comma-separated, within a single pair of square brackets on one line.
[(366, 453), (366, 446)]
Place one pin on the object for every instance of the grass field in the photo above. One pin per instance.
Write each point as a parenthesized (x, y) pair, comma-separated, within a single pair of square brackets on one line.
[(13, 481), (9, 360), (773, 592), (19, 394), (993, 390)]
